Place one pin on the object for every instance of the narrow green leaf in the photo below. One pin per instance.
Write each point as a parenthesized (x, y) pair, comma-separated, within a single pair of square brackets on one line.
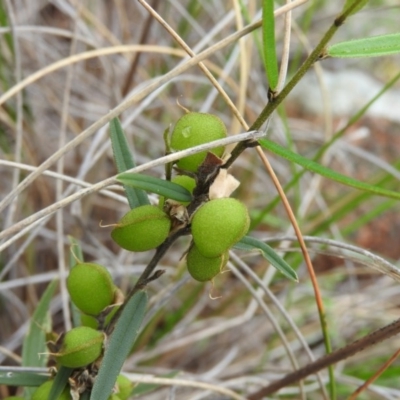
[(22, 378), (60, 381), (349, 3), (249, 243), (324, 171), (156, 185), (34, 345), (268, 32), (124, 161), (119, 345), (375, 46)]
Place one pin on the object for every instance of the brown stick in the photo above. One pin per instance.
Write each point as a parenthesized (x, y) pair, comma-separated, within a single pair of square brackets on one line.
[(338, 355)]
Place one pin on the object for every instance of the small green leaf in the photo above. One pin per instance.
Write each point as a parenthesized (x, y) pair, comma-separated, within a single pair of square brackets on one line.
[(60, 381), (375, 46), (268, 32), (119, 345), (22, 378), (156, 185), (124, 161), (324, 171), (248, 243)]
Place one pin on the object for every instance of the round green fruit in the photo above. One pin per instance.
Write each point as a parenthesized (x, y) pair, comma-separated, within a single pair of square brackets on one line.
[(202, 268), (192, 130), (91, 287), (81, 346), (43, 391), (141, 229), (124, 387), (185, 181), (218, 225)]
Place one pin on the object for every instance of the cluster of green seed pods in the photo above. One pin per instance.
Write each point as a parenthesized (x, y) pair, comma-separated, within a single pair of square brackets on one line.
[(219, 223), (216, 227)]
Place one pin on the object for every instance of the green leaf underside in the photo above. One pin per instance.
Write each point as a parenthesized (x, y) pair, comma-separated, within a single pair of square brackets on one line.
[(249, 243), (268, 32), (119, 345), (159, 186), (123, 160), (60, 381), (324, 171), (22, 378), (367, 47)]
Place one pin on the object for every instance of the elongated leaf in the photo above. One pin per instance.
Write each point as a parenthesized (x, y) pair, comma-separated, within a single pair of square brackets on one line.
[(119, 345), (35, 340), (13, 377), (156, 185), (375, 46), (324, 171), (124, 161), (249, 243), (60, 381), (268, 32)]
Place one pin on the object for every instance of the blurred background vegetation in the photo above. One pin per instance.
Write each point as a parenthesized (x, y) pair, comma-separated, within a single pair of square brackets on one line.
[(226, 334)]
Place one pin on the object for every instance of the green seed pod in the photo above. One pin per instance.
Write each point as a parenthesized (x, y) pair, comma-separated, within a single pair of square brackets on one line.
[(194, 129), (141, 229), (202, 268), (81, 346), (92, 322), (124, 387), (218, 225), (91, 287), (43, 391)]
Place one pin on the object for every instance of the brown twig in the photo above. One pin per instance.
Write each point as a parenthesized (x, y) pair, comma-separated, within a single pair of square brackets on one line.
[(332, 358)]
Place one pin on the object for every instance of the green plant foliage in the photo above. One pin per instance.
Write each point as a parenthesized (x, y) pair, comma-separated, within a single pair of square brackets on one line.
[(268, 33), (324, 171), (90, 287), (141, 229), (376, 46), (22, 378), (35, 339), (218, 225), (124, 161), (119, 345), (159, 186), (60, 382), (192, 130), (34, 346), (249, 243)]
